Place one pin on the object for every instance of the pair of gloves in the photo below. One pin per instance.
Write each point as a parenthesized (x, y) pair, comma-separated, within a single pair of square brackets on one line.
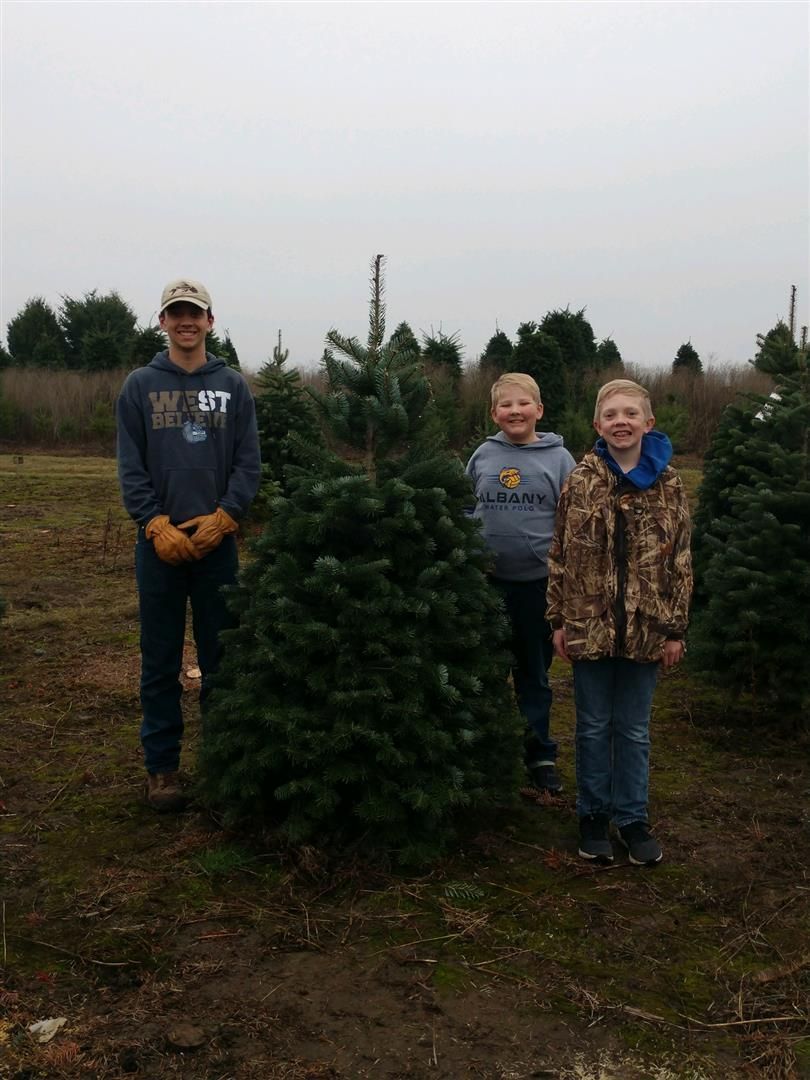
[(174, 546)]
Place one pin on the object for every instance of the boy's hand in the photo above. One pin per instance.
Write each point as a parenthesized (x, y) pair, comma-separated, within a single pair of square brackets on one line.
[(560, 645), (209, 530), (673, 653), (171, 545)]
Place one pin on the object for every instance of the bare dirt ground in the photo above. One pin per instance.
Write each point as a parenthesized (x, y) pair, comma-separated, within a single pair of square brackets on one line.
[(173, 949)]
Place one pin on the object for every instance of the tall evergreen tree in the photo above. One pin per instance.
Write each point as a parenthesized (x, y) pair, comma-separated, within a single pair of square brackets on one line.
[(777, 352), (608, 355), (364, 693), (148, 342), (497, 353), (405, 339), (103, 350), (539, 355), (751, 624), (289, 431), (223, 348), (100, 331), (214, 344), (687, 359), (574, 334), (229, 352), (443, 351), (35, 337)]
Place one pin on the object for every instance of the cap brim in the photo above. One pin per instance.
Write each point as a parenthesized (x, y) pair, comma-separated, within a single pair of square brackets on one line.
[(195, 300)]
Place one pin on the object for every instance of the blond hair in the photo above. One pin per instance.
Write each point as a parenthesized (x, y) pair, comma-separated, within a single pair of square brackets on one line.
[(622, 386), (515, 378)]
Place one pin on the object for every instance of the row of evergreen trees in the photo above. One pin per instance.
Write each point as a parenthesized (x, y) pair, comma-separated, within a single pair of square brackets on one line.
[(98, 332)]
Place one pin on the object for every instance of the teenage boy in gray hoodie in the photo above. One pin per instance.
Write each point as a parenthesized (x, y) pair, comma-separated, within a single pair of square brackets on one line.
[(188, 465), (517, 475)]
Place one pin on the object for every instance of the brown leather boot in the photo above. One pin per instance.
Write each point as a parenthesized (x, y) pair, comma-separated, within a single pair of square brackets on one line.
[(164, 793)]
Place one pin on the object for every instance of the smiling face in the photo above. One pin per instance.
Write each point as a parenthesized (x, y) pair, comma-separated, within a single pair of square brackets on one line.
[(622, 420), (516, 413), (186, 326)]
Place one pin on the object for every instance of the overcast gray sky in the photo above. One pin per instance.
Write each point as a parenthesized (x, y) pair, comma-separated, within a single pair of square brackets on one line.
[(645, 161)]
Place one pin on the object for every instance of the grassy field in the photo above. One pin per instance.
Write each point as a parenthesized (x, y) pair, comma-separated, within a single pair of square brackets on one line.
[(174, 949)]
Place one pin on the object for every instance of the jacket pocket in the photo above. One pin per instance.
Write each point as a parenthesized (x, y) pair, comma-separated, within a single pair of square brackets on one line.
[(589, 630)]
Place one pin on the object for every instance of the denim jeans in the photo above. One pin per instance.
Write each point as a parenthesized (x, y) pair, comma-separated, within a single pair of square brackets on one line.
[(163, 592), (613, 701), (532, 649)]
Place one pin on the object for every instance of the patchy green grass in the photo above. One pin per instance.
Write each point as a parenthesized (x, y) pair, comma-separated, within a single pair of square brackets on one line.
[(510, 958)]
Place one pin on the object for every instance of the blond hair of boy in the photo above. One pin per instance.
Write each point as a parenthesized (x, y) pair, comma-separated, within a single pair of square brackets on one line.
[(515, 378), (622, 386)]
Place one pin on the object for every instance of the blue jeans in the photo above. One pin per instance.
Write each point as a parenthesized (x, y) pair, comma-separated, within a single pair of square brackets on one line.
[(613, 701), (163, 592), (532, 649)]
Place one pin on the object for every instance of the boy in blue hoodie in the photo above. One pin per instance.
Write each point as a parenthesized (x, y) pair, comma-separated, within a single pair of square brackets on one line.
[(188, 465), (517, 475), (618, 599)]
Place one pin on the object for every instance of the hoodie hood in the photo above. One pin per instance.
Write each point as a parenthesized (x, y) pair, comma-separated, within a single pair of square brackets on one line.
[(656, 454), (545, 441), (162, 362)]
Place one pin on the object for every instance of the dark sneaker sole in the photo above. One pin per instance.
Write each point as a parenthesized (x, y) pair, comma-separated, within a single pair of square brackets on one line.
[(641, 862), (602, 859), (645, 862)]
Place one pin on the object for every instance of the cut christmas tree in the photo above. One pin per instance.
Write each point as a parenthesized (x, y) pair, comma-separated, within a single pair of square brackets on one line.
[(364, 696)]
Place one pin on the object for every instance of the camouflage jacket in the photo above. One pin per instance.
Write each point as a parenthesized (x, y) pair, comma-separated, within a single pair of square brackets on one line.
[(620, 570)]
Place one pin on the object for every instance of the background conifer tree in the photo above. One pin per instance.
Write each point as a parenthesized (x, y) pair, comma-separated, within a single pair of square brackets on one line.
[(100, 330), (538, 354), (404, 338), (751, 618), (688, 359), (148, 342), (607, 355), (364, 694), (574, 335), (497, 354), (289, 430), (35, 336), (223, 348), (443, 351), (777, 352)]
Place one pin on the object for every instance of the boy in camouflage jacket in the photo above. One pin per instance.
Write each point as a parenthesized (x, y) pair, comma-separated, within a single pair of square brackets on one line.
[(620, 581)]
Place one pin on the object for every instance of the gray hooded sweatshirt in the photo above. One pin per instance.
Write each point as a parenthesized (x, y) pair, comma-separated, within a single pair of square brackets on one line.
[(516, 490), (187, 441)]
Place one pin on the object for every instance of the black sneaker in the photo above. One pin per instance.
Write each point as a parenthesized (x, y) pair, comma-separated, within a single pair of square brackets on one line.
[(594, 838), (643, 849), (545, 778)]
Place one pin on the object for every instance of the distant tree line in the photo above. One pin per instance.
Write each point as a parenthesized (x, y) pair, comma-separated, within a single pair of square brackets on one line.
[(98, 332)]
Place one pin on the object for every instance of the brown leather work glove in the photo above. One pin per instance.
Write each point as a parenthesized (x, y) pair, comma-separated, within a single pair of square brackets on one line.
[(209, 530), (171, 545)]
